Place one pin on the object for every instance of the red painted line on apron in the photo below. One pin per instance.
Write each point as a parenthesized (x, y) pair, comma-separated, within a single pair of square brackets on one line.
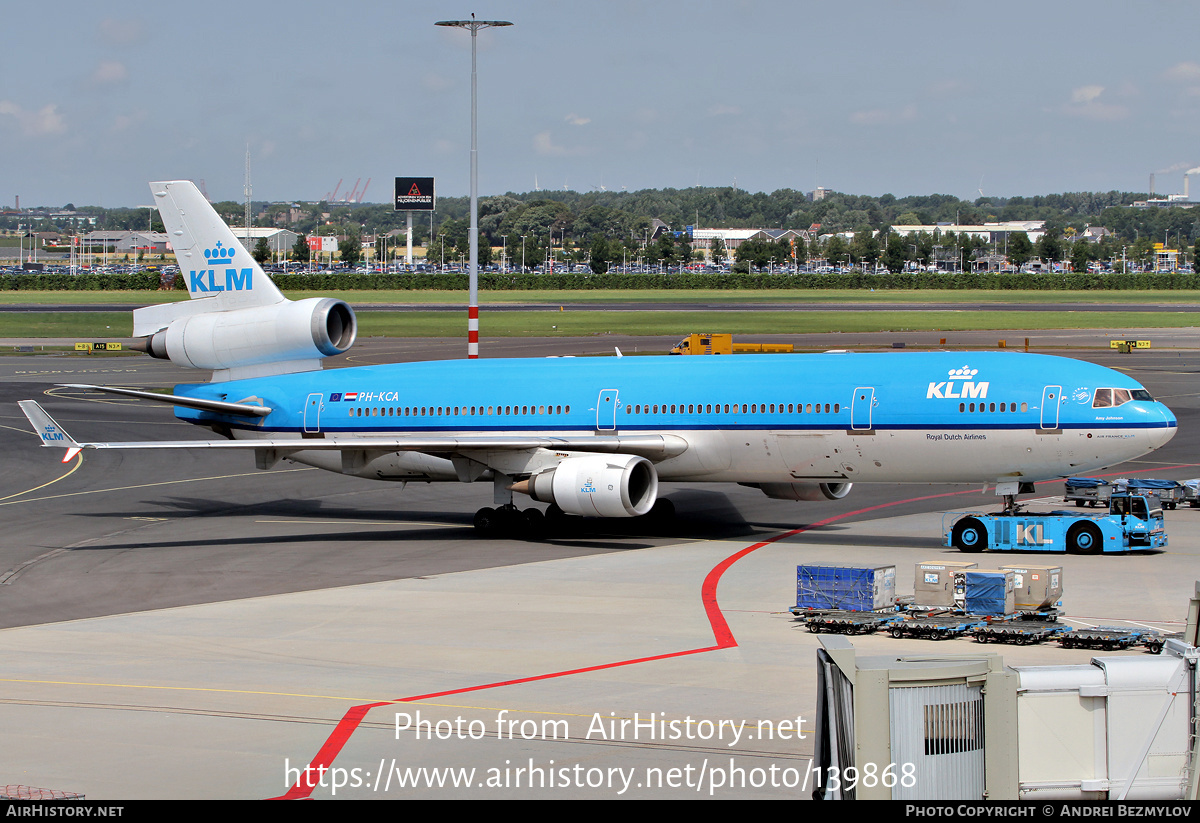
[(708, 596)]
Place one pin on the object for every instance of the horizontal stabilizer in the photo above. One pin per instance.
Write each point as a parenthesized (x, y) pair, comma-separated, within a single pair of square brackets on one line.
[(219, 406)]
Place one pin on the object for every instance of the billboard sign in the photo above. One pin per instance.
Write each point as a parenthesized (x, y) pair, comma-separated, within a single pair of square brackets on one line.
[(414, 194)]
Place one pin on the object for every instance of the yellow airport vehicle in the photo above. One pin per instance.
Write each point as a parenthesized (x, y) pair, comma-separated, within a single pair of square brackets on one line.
[(723, 344)]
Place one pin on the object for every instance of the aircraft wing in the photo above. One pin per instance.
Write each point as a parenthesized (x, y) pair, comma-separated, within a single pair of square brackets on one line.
[(244, 409), (653, 447)]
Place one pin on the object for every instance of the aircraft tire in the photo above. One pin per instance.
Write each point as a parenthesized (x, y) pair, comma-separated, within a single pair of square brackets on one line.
[(534, 523), (661, 515), (486, 521), (1084, 538), (969, 536)]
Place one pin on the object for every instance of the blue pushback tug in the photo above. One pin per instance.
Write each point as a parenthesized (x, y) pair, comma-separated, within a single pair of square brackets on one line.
[(1133, 522)]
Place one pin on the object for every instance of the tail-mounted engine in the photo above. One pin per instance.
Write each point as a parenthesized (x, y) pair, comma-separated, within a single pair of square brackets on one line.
[(297, 333)]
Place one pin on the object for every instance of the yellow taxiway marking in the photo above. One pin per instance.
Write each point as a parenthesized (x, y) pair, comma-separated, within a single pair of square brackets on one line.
[(140, 485), (257, 693), (78, 463), (23, 431), (358, 522), (185, 689), (387, 700), (111, 402)]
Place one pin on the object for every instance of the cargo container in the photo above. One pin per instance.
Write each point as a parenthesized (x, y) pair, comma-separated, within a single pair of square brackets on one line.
[(853, 588)]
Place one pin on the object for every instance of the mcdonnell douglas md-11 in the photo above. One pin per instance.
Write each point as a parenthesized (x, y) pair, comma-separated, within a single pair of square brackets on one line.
[(595, 436)]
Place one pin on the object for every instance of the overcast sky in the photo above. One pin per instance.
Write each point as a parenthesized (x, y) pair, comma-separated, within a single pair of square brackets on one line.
[(916, 97)]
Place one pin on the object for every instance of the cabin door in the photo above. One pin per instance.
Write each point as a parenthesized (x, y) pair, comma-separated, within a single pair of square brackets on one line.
[(1051, 401), (860, 408), (606, 410), (312, 413)]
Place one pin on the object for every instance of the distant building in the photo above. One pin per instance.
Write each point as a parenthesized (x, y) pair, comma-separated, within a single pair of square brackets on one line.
[(278, 240), (732, 238), (991, 232), (124, 242), (1174, 201), (1094, 234)]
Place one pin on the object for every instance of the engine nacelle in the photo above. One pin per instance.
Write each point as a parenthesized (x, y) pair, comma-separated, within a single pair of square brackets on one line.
[(282, 332), (805, 491), (614, 485)]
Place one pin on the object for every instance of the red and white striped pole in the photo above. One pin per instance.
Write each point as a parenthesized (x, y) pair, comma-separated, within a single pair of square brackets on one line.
[(473, 330)]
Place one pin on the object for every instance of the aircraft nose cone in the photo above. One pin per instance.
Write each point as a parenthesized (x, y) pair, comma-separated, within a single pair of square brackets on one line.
[(1160, 436)]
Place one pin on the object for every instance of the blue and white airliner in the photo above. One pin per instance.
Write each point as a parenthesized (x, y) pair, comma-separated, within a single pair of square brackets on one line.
[(594, 436)]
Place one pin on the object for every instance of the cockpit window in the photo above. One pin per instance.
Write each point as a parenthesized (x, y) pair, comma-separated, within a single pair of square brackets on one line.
[(1105, 398)]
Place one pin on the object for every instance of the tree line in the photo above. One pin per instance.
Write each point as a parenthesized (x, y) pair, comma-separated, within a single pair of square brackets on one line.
[(606, 226)]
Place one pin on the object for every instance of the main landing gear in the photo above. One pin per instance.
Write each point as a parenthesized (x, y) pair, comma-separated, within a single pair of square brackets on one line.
[(531, 524), (509, 521)]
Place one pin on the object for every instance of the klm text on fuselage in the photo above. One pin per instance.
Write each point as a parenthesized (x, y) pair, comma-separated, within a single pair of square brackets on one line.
[(969, 389)]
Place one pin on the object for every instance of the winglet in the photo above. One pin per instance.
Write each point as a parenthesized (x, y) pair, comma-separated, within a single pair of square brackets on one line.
[(53, 435)]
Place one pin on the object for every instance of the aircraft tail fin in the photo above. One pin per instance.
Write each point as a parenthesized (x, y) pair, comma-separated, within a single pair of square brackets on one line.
[(53, 435), (217, 268)]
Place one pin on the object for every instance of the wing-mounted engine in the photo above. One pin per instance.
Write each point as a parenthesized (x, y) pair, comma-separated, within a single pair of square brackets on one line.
[(298, 334), (811, 492), (615, 485)]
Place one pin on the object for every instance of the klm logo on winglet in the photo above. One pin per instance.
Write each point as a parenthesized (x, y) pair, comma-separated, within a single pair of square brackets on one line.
[(51, 434), (206, 281), (966, 387)]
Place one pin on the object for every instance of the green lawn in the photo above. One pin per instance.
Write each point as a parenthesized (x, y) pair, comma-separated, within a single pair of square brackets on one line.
[(144, 298), (581, 323), (109, 325)]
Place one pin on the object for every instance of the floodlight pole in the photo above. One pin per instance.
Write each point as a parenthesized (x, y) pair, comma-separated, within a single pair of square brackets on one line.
[(474, 26)]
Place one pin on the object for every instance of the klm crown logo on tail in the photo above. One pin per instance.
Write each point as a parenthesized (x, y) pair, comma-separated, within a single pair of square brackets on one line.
[(206, 280)]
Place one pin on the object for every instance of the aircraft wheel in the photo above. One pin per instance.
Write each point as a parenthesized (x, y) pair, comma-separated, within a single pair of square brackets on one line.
[(969, 535), (535, 523), (1085, 538), (661, 515), (485, 521)]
